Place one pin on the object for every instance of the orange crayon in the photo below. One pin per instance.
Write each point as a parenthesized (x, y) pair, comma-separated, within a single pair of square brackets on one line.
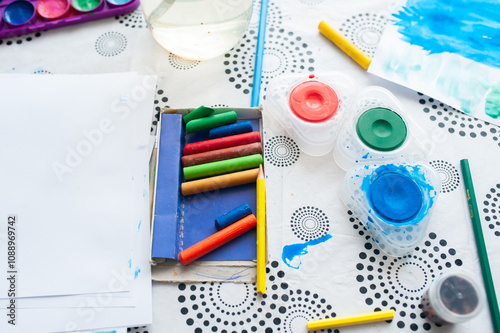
[(219, 182), (218, 239)]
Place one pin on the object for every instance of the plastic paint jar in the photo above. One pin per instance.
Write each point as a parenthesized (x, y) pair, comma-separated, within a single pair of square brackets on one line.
[(18, 13), (452, 298), (393, 201), (377, 130), (310, 108)]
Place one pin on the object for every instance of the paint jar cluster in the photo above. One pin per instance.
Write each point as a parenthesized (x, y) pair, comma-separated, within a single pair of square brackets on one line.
[(373, 139), (20, 17), (327, 112)]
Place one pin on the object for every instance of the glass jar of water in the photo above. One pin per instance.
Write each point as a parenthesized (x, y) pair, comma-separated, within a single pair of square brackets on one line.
[(197, 29)]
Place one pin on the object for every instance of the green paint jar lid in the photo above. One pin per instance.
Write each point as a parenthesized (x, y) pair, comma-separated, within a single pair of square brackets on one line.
[(381, 129)]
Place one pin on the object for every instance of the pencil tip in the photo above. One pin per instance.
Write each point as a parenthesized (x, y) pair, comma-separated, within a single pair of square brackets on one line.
[(261, 172)]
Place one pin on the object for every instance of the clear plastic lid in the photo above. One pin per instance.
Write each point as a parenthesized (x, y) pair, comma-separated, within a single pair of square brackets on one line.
[(393, 201), (377, 130), (310, 108), (455, 297)]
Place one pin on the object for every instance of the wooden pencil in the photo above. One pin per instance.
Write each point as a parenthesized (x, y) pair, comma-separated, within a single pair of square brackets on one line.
[(481, 245)]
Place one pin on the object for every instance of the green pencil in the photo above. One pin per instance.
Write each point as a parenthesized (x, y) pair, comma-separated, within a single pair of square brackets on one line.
[(480, 244)]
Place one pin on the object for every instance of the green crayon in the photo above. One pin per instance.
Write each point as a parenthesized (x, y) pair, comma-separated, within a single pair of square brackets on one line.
[(200, 112), (220, 167), (209, 122)]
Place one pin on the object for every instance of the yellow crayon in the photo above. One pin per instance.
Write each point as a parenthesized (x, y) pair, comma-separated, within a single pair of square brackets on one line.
[(344, 44), (261, 232), (364, 318)]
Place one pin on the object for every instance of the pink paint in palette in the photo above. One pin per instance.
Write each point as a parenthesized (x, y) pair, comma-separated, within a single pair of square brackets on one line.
[(19, 17)]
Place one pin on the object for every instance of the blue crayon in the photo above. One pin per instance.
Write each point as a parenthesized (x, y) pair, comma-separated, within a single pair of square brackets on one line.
[(232, 216), (232, 129)]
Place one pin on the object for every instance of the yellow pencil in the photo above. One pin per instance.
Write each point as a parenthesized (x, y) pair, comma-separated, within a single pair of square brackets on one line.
[(344, 44), (261, 232), (364, 318)]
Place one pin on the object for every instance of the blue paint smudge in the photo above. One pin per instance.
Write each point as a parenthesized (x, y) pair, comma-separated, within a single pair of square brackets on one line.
[(365, 156), (469, 28), (113, 331), (139, 226), (130, 263), (290, 252), (137, 271)]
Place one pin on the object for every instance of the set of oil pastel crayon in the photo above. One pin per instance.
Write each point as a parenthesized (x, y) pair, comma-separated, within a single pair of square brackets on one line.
[(208, 163)]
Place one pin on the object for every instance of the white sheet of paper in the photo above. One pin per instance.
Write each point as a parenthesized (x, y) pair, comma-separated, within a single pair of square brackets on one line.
[(83, 318), (107, 330), (98, 256), (81, 301)]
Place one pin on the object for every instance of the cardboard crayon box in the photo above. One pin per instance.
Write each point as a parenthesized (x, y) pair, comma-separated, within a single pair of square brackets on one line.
[(180, 221)]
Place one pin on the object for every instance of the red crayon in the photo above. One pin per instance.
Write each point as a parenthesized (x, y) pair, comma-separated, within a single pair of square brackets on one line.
[(222, 154), (218, 239), (219, 143)]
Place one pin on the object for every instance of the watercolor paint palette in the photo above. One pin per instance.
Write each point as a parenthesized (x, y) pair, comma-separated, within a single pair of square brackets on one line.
[(393, 201), (310, 108), (19, 17)]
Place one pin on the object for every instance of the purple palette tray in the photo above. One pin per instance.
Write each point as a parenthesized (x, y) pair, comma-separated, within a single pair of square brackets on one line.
[(19, 17)]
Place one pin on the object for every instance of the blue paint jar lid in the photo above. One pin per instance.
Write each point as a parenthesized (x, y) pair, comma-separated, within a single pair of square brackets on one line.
[(395, 197), (381, 129)]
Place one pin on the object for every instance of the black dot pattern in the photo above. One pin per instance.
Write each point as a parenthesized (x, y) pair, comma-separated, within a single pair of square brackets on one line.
[(450, 178), (281, 151), (20, 39), (274, 16), (399, 283), (181, 63), (111, 44), (41, 71), (365, 31), (456, 122), (221, 307), (142, 329), (160, 102), (309, 223), (491, 210), (284, 53), (132, 20)]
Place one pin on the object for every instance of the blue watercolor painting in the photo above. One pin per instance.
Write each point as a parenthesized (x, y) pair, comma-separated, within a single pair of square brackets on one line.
[(294, 251), (448, 50), (470, 28)]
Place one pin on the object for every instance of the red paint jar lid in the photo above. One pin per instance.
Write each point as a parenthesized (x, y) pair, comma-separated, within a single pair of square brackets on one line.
[(313, 101)]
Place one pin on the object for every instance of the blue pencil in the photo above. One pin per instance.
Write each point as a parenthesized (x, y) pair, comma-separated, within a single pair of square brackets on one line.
[(259, 54)]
